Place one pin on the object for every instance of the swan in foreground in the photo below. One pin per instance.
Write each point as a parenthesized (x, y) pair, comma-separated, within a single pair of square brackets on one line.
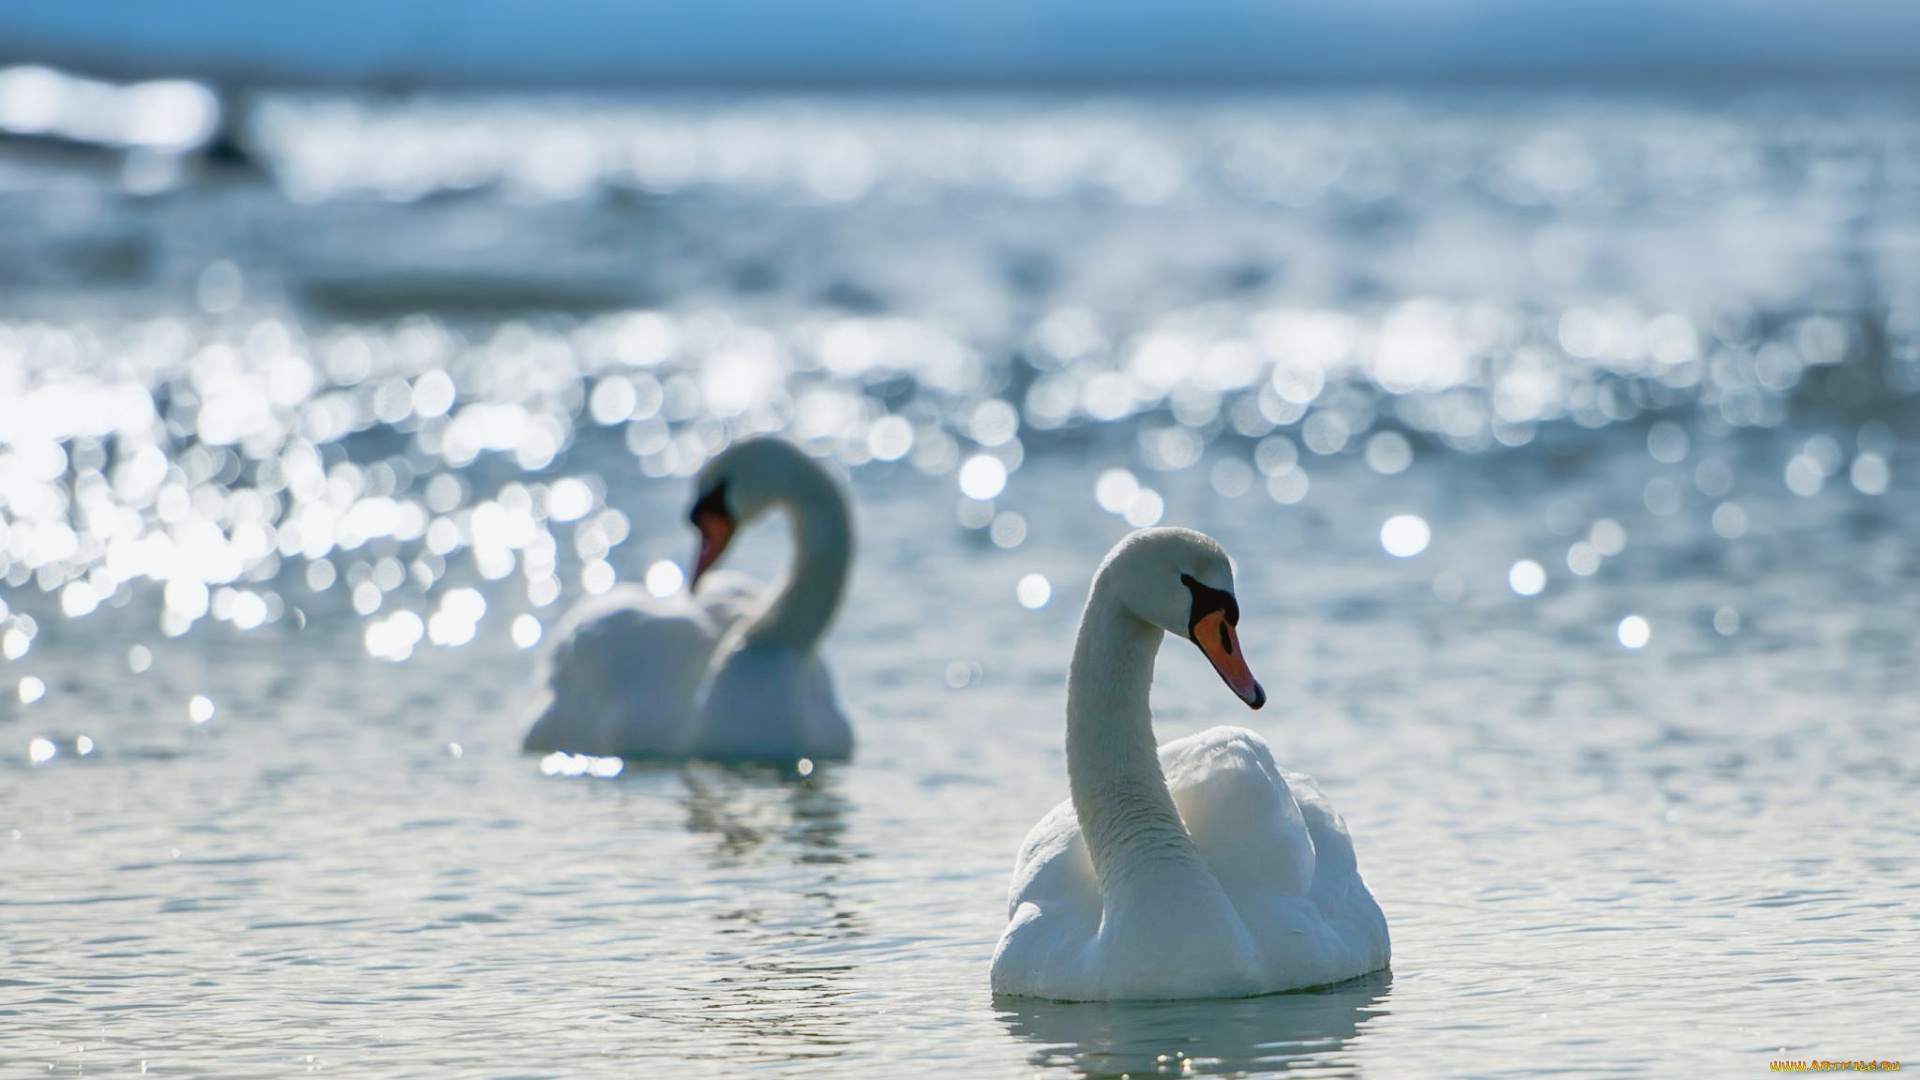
[(726, 670), (1201, 870)]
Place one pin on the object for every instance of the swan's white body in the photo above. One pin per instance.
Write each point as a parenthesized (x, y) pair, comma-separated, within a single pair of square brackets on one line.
[(727, 672), (1200, 869)]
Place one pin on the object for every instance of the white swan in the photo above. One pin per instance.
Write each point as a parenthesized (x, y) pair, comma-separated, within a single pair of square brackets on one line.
[(1201, 870), (725, 671)]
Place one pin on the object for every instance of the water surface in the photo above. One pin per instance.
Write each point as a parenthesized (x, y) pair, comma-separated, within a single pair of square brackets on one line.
[(296, 470)]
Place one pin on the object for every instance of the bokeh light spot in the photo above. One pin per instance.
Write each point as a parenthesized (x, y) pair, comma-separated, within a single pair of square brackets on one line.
[(890, 438), (597, 577), (1667, 442), (1405, 535), (983, 477), (1870, 474), (1009, 530), (1608, 537), (664, 578), (1388, 453), (1034, 591), (1231, 477), (1583, 559), (1288, 487), (1726, 621), (1730, 520), (1527, 578), (974, 513), (569, 499), (1145, 508), (1114, 490)]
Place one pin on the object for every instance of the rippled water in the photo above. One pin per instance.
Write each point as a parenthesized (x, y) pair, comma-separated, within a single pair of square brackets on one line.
[(1565, 448)]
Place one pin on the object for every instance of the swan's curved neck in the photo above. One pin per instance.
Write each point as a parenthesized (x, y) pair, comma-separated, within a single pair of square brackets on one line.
[(822, 550), (1113, 765)]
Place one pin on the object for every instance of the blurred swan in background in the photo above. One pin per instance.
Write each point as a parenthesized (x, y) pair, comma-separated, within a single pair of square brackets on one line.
[(1198, 870), (727, 670)]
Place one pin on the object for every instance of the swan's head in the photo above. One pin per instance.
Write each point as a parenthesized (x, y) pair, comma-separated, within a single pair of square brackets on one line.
[(737, 486), (1182, 582)]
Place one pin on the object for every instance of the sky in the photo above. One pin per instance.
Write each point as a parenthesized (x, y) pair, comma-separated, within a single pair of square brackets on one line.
[(407, 43)]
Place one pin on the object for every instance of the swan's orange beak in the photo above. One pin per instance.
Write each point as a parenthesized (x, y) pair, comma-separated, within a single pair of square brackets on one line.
[(1216, 638), (716, 532)]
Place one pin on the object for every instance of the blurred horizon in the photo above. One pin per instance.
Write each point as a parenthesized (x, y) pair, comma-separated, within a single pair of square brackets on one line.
[(1066, 43)]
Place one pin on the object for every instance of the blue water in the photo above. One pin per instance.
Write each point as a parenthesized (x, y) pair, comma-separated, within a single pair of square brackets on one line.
[(1069, 43), (297, 468)]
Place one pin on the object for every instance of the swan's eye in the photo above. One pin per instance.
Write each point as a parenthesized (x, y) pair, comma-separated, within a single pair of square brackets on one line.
[(1206, 601), (713, 505)]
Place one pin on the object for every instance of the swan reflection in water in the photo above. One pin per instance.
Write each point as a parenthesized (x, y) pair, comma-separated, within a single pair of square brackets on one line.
[(1110, 1039), (778, 935), (800, 810)]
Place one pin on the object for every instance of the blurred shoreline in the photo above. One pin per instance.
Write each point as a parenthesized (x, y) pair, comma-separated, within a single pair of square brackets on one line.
[(1070, 44)]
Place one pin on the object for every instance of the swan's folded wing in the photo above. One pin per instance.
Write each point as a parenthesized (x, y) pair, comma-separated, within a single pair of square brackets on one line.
[(1053, 908), (770, 704), (1053, 865), (1240, 812), (1282, 854), (621, 676), (726, 597), (1339, 893)]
